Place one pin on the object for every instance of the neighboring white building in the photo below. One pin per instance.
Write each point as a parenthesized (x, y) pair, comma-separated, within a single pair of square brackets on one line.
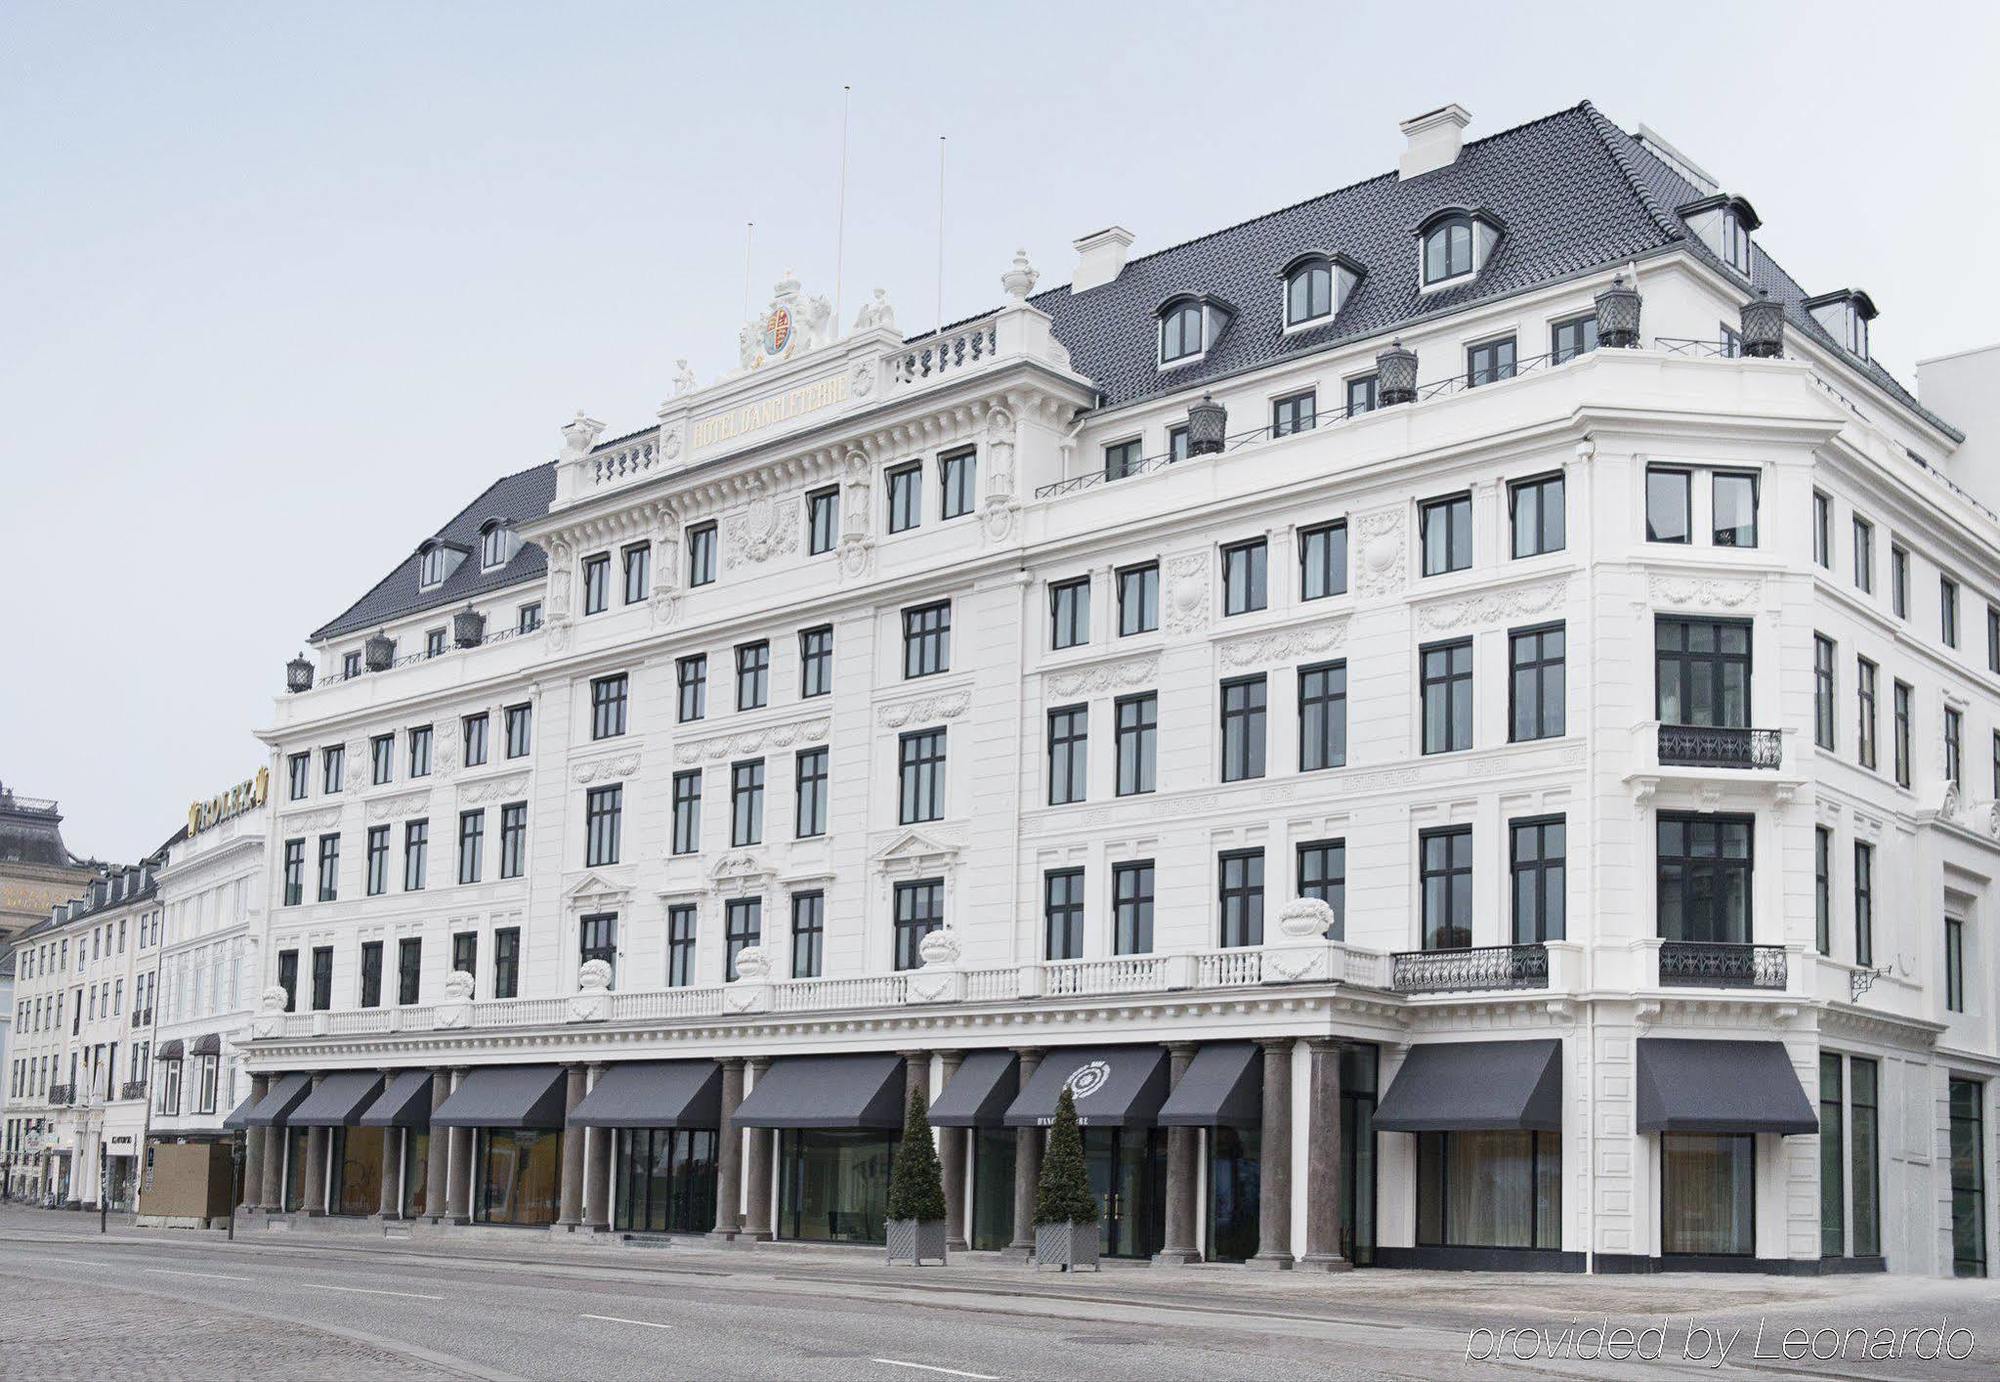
[(1509, 794)]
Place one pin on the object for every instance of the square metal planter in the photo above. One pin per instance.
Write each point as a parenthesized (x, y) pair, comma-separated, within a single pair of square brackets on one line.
[(1068, 1246), (914, 1240)]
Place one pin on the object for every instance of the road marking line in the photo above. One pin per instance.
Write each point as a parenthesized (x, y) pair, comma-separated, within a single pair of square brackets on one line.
[(926, 1367), (214, 1276), (366, 1291), (620, 1319)]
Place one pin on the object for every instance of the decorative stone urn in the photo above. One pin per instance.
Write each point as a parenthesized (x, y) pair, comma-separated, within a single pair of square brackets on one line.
[(592, 1000), (1298, 950), (750, 990)]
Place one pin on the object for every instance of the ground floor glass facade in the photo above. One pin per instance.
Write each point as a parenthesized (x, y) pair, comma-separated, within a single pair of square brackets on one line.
[(520, 1176), (992, 1189), (1492, 1189), (833, 1185), (1708, 1194), (358, 1159), (666, 1180)]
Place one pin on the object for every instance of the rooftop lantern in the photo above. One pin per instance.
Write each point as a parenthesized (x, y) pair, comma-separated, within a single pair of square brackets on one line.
[(1618, 315), (299, 674), (379, 653), (1396, 375), (1208, 426), (1763, 327), (468, 628)]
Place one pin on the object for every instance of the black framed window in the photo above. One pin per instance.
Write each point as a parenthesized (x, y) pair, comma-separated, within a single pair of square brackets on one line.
[(816, 662), (687, 811), (919, 911), (808, 934), (1822, 530), (1701, 672), (1948, 611), (1669, 515), (746, 802), (329, 868), (1294, 413), (1069, 754), (420, 751), (597, 583), (1488, 362), (1240, 897), (378, 860), (638, 571), (1177, 443), (1444, 873), (529, 617), (822, 520), (1535, 509), (1864, 712), (513, 839), (1323, 561), (1966, 1104), (1322, 716), (1954, 965), (680, 944), (691, 685), (920, 776), (1822, 890), (906, 496), (1139, 599), (810, 792), (1181, 332), (753, 674), (1536, 682), (333, 765), (1704, 865), (1708, 1194), (607, 706), (1132, 907), (471, 844), (409, 968), (958, 480), (1138, 730), (1954, 747), (1448, 250), (473, 730), (927, 640), (1823, 691), (1832, 1161), (1734, 495), (371, 974), (382, 758), (1446, 527), (597, 939), (288, 980), (1069, 613), (1571, 338), (603, 817), (416, 854), (1899, 582), (1446, 693), (1243, 577), (465, 952), (1864, 903), (298, 775), (1362, 394), (507, 962), (1062, 914), (1323, 875), (295, 872), (701, 544), (1900, 696), (322, 978), (1309, 292), (1243, 728), (520, 730), (1864, 556), (1864, 1128), (1490, 1189), (1538, 867), (1122, 458), (1992, 648)]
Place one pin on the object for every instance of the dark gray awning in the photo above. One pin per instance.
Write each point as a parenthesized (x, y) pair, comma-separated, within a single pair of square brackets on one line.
[(279, 1100), (978, 1094), (1704, 1085), (239, 1117), (338, 1101), (654, 1094), (405, 1102), (506, 1096), (1476, 1086), (827, 1092), (170, 1050), (1223, 1087), (207, 1044), (1114, 1087)]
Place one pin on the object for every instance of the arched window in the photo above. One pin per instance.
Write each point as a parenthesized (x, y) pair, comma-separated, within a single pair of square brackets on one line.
[(1309, 292), (433, 567), (1448, 249), (1181, 332), (495, 545)]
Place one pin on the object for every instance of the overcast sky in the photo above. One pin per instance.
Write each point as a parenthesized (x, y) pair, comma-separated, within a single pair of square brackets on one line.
[(283, 287)]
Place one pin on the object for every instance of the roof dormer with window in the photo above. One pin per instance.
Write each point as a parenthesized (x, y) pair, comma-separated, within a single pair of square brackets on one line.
[(1316, 286), (1723, 223), (498, 542), (436, 560), (1454, 244), (1845, 314), (1191, 323)]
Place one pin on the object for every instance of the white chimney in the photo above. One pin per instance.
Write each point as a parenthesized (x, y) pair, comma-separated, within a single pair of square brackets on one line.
[(1100, 257), (1434, 140)]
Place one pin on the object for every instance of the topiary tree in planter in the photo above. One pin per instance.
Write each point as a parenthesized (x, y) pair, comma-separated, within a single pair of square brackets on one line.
[(916, 1191), (1065, 1209)]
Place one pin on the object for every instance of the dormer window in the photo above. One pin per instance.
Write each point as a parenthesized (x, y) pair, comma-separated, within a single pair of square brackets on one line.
[(498, 543), (1735, 243), (1189, 325), (1845, 315), (1455, 243), (436, 561), (1723, 223), (1316, 287)]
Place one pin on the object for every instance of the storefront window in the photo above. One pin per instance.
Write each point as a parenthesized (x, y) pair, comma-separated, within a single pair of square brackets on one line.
[(834, 1185), (416, 1171), (1128, 1174), (357, 1170), (1968, 1178), (1357, 1142), (520, 1180), (992, 1189), (1497, 1189), (1232, 1194), (1708, 1193), (666, 1180), (295, 1169)]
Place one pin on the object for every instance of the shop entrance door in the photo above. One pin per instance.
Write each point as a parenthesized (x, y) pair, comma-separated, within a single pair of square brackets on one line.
[(1128, 1171)]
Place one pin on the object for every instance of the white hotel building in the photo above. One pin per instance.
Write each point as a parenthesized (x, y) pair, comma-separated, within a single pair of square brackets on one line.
[(1509, 794)]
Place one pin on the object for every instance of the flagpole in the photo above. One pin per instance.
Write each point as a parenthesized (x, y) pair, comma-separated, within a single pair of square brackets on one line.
[(940, 266), (840, 212)]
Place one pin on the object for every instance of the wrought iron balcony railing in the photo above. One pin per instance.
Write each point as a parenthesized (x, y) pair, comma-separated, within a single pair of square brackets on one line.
[(61, 1094), (132, 1089), (1459, 971), (1722, 965), (1717, 746)]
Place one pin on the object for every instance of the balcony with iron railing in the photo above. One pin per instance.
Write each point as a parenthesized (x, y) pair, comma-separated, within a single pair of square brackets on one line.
[(132, 1089), (1720, 746), (1485, 967), (1723, 965), (62, 1095)]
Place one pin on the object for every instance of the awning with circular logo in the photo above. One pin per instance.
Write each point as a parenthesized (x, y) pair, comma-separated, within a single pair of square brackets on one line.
[(1113, 1087)]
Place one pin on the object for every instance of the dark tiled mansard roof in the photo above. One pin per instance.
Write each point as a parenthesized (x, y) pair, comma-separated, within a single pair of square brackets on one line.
[(1574, 193)]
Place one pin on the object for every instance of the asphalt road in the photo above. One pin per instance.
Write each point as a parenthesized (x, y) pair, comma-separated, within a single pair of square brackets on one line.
[(142, 1306)]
